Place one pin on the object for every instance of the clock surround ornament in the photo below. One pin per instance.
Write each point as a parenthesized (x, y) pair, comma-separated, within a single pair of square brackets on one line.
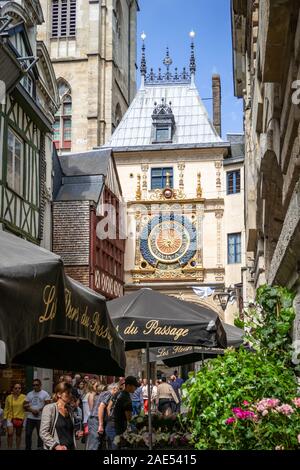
[(168, 242)]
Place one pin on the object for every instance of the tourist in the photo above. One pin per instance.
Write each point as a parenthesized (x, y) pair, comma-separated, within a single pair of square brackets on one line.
[(176, 384), (123, 408), (34, 403), (137, 401), (57, 424), (166, 398), (14, 414)]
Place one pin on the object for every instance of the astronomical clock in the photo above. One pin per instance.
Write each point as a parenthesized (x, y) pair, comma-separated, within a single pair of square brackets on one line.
[(168, 242)]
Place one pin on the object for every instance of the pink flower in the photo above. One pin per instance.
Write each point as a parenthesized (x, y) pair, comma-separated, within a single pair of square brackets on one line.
[(246, 403), (285, 409), (298, 437), (267, 404), (296, 402), (265, 412), (230, 421), (242, 414)]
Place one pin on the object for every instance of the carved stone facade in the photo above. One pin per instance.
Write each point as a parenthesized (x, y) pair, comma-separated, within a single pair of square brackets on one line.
[(97, 64), (152, 257), (266, 42)]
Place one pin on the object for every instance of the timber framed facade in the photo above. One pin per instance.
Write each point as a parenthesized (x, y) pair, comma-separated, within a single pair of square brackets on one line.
[(26, 117)]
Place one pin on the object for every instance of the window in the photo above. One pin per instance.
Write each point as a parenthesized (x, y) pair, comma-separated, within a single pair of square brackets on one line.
[(62, 127), (27, 83), (163, 134), (163, 122), (63, 18), (234, 248), (159, 177), (14, 162), (233, 182), (56, 130)]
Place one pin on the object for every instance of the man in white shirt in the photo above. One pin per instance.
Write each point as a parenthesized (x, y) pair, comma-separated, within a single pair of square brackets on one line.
[(34, 403)]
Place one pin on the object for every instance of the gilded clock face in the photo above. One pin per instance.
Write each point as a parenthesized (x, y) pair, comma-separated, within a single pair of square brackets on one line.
[(168, 241)]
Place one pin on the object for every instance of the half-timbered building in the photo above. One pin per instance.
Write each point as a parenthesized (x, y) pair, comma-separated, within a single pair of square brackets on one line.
[(28, 102), (26, 118)]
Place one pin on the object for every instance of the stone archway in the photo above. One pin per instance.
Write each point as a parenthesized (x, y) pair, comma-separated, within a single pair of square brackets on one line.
[(270, 214)]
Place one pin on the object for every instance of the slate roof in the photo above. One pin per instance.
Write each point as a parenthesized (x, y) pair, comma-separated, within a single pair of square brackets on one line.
[(192, 122), (83, 175)]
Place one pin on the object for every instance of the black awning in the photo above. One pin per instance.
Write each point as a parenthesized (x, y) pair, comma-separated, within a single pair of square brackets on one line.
[(49, 320), (180, 355), (147, 316)]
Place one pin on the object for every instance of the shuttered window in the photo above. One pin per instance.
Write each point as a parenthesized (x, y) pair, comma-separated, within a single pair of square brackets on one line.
[(63, 18), (233, 182), (234, 248)]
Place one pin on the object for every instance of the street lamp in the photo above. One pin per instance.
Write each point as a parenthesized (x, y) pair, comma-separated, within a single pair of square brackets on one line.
[(223, 297)]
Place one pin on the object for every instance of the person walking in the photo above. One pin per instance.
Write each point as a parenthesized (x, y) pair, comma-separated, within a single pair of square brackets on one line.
[(137, 401), (57, 423), (166, 399), (34, 403), (123, 407), (93, 439), (176, 384), (145, 395), (110, 429), (14, 414)]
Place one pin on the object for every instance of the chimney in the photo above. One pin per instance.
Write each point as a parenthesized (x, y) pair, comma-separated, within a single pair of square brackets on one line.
[(216, 89)]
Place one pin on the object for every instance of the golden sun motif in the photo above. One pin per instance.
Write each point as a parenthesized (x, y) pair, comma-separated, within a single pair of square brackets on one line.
[(168, 241)]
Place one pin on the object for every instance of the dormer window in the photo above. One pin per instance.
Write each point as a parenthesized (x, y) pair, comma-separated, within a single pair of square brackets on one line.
[(163, 123), (163, 134)]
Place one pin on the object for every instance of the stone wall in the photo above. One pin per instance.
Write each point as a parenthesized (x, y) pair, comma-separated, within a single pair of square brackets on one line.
[(269, 41)]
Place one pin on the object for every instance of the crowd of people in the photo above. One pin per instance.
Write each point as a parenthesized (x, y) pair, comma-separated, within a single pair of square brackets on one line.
[(84, 409)]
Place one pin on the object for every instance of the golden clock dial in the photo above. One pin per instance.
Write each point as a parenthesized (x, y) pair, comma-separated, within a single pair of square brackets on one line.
[(168, 241)]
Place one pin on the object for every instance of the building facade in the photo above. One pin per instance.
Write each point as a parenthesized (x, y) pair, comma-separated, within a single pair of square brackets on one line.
[(27, 113), (86, 187), (92, 45), (183, 186), (266, 43)]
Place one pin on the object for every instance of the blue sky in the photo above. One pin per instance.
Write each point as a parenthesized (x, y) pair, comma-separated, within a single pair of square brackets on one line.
[(168, 23)]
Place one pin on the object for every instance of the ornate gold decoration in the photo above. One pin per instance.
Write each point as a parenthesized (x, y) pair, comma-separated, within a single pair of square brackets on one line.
[(181, 167), (144, 168), (168, 180), (138, 194), (158, 195), (192, 274), (168, 241), (199, 188), (218, 166)]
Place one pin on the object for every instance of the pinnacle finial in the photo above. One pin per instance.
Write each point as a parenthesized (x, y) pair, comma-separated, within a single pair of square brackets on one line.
[(143, 59), (167, 62), (192, 58)]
